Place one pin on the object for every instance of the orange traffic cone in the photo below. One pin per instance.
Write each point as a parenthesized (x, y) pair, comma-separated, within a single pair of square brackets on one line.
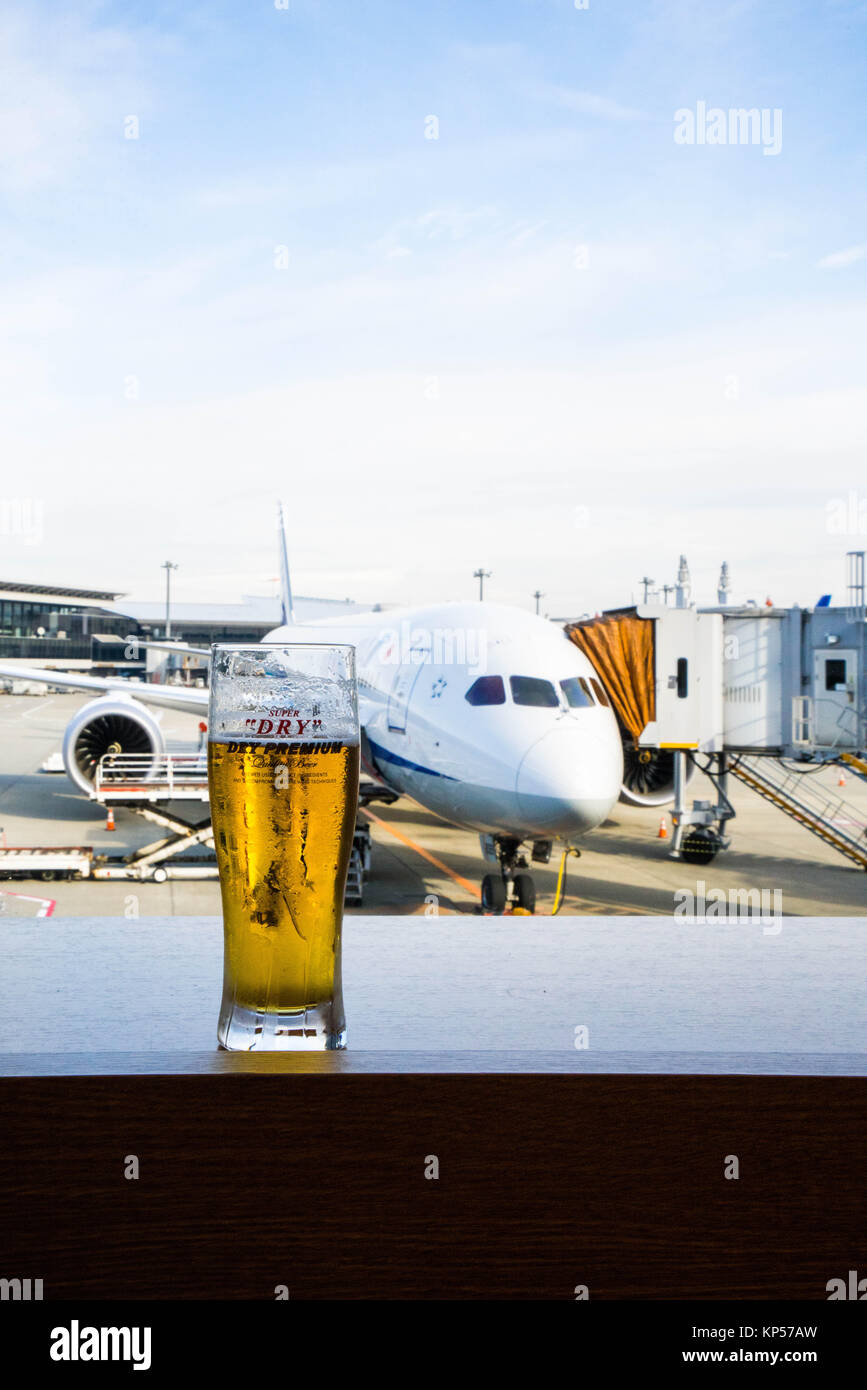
[(663, 829), (841, 780), (109, 820)]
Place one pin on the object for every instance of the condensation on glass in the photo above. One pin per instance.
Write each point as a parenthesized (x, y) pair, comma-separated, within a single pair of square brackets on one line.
[(283, 765)]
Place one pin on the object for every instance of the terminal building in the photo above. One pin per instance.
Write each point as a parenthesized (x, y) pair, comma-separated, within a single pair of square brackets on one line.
[(65, 629), (87, 629)]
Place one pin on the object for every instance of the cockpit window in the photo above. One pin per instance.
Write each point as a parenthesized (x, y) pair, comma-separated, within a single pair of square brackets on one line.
[(532, 690), (577, 692), (487, 690), (603, 698)]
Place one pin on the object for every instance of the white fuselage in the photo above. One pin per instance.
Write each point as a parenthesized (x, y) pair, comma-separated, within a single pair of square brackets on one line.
[(517, 758)]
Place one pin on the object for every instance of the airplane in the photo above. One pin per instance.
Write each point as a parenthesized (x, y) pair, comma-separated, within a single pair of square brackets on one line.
[(484, 714)]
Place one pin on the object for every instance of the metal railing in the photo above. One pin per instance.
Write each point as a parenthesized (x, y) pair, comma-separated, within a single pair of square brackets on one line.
[(856, 589), (847, 724), (824, 813), (151, 776), (802, 721)]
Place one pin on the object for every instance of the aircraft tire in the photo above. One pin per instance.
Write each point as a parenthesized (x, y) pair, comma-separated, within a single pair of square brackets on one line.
[(525, 892), (493, 893)]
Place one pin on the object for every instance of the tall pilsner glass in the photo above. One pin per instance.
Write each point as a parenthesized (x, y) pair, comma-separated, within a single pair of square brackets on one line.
[(283, 755)]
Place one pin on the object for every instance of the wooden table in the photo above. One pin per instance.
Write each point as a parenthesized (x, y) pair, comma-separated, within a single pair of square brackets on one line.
[(560, 1164)]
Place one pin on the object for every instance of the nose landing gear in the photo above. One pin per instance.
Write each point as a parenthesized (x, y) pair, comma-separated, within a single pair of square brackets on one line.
[(513, 887)]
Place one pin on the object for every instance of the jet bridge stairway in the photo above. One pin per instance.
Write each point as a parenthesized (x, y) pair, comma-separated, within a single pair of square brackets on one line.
[(837, 822)]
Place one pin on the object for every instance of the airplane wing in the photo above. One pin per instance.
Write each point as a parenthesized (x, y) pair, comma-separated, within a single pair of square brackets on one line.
[(170, 647), (181, 697)]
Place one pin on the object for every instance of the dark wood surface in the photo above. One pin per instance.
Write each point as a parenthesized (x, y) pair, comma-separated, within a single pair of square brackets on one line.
[(559, 1167), (546, 1182)]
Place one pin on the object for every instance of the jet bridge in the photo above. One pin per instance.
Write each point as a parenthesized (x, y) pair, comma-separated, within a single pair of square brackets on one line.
[(768, 695)]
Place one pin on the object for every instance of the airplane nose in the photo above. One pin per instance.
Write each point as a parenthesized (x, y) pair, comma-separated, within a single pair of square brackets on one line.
[(569, 779)]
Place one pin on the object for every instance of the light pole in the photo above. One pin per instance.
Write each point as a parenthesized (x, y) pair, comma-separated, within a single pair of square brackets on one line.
[(481, 575), (647, 583), (537, 596), (168, 567)]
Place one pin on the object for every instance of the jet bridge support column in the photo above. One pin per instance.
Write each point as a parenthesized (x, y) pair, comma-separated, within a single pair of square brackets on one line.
[(679, 808), (699, 834), (722, 783)]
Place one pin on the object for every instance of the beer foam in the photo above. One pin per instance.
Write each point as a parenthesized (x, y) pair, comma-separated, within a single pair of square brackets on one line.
[(258, 697)]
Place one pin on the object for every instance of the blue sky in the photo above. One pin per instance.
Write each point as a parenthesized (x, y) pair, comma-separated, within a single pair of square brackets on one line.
[(551, 341)]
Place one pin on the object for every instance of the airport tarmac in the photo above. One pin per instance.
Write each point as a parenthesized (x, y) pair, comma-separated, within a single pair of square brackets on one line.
[(420, 865)]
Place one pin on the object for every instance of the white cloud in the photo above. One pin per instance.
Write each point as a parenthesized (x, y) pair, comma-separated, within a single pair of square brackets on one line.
[(525, 232), (67, 87), (585, 103), (433, 381), (838, 260), (490, 470)]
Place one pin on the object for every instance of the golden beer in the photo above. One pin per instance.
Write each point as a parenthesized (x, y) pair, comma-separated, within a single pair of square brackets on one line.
[(283, 816), (283, 761)]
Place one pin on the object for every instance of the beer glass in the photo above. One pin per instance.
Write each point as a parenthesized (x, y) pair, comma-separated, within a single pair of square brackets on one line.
[(283, 757)]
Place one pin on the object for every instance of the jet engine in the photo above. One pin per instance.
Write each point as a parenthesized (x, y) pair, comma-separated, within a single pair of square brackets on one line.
[(111, 724), (648, 775)]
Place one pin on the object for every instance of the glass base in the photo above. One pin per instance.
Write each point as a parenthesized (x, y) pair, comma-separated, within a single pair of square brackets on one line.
[(314, 1029)]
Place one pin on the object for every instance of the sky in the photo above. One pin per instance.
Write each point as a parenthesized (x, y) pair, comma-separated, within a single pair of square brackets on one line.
[(444, 279)]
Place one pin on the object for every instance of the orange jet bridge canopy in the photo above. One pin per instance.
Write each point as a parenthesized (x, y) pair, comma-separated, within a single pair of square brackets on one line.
[(620, 646)]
